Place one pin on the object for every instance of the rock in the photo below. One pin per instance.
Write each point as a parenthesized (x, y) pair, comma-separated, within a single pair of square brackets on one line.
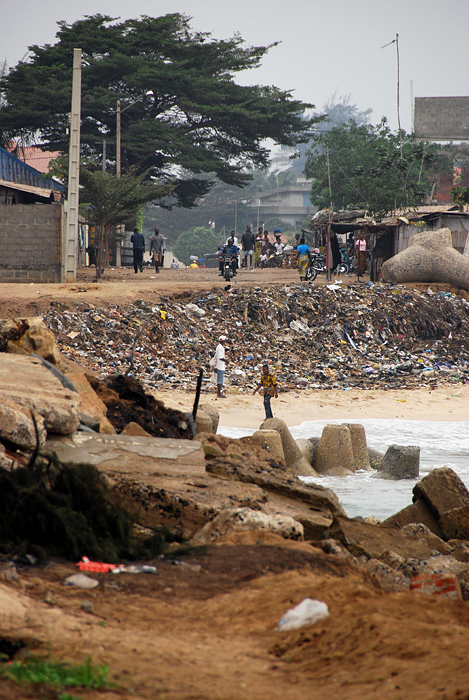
[(87, 606), (463, 580), (29, 335), (335, 454), (334, 547), (455, 523), (386, 577), (81, 581), (91, 404), (459, 549), (270, 441), (359, 447), (213, 412), (293, 457), (418, 512), (134, 429), (308, 448), (430, 257), (17, 427), (442, 490), (439, 564), (26, 382), (203, 422), (373, 541), (400, 462), (242, 519), (375, 458)]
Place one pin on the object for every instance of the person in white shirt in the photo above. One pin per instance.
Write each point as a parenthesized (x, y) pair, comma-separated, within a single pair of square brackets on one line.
[(220, 365)]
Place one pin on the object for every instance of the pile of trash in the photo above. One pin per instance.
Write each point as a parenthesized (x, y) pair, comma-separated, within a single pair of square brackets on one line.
[(336, 336)]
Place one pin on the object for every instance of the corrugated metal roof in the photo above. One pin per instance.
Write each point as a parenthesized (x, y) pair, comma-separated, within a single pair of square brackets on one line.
[(38, 191)]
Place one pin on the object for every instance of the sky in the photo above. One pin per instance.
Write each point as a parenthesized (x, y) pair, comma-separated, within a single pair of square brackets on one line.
[(327, 47)]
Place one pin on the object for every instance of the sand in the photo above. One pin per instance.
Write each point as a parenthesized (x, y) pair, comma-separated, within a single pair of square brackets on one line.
[(447, 403)]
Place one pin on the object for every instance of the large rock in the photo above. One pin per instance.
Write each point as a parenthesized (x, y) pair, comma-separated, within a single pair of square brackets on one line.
[(17, 427), (417, 512), (243, 519), (375, 458), (359, 447), (91, 404), (442, 490), (400, 462), (29, 335), (430, 257), (373, 541), (293, 457), (335, 453), (213, 412), (24, 381)]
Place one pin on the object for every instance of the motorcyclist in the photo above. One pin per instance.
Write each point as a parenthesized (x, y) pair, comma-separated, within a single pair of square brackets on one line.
[(233, 249)]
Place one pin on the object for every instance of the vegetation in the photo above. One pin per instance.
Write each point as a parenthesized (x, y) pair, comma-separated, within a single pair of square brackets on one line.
[(108, 201), (48, 509), (196, 241), (198, 120), (372, 168), (57, 674), (460, 196)]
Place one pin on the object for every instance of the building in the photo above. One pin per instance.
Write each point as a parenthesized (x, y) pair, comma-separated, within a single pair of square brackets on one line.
[(289, 203)]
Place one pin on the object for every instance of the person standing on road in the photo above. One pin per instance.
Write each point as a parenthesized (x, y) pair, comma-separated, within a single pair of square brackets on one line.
[(138, 248), (248, 242), (269, 385), (220, 361), (157, 249), (303, 258)]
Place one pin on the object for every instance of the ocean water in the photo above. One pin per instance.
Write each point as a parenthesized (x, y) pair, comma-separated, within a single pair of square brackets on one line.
[(442, 444)]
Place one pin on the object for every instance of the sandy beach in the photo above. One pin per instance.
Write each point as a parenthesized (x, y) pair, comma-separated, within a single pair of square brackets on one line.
[(448, 403)]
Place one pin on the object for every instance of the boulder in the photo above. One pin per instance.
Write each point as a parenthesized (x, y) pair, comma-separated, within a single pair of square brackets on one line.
[(25, 382), (213, 412), (430, 257), (418, 512), (203, 422), (308, 448), (400, 462), (134, 429), (29, 335), (372, 541), (459, 549), (17, 427), (455, 523), (293, 457), (387, 578), (335, 453), (359, 447), (442, 490), (91, 404), (245, 519), (270, 441)]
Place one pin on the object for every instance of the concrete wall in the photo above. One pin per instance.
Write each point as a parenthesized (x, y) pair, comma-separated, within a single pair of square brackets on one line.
[(442, 118), (31, 243)]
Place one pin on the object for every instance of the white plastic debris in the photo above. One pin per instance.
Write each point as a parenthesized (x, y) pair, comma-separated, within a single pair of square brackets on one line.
[(307, 612)]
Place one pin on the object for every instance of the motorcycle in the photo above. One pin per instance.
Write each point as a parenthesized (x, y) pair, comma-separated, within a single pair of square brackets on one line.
[(228, 264)]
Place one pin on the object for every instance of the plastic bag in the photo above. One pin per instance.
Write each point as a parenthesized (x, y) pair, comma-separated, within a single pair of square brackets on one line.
[(307, 612), (213, 361)]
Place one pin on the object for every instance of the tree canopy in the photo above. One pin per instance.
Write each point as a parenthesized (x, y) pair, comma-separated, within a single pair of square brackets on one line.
[(196, 241), (372, 168), (198, 119)]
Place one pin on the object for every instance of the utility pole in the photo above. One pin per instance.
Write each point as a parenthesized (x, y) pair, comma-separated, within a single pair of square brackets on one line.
[(72, 203)]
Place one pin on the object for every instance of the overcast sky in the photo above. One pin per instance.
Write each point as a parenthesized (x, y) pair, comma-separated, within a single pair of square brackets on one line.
[(328, 46)]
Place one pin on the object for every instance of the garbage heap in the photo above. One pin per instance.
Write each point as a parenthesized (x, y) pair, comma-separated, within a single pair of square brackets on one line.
[(330, 337)]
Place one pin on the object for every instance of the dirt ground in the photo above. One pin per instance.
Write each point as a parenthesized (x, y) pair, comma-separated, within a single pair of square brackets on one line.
[(206, 630)]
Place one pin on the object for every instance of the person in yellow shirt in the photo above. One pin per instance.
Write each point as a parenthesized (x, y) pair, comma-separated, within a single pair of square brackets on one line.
[(269, 385)]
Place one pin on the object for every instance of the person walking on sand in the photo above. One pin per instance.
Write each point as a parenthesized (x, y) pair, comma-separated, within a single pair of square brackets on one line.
[(269, 384), (157, 249), (220, 361), (138, 248)]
